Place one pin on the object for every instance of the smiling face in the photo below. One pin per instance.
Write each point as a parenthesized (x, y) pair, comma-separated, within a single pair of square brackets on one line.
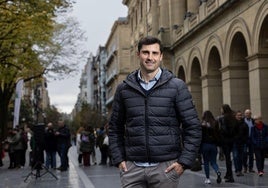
[(150, 58)]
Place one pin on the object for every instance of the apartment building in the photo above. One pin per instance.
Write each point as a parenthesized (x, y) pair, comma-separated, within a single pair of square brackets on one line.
[(118, 62)]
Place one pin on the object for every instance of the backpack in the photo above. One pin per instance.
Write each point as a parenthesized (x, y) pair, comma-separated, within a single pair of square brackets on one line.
[(84, 138)]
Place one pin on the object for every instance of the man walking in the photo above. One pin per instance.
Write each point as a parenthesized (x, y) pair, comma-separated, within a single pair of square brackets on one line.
[(63, 143), (154, 132), (248, 155)]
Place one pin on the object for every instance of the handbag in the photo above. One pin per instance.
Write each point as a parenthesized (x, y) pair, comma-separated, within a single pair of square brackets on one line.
[(106, 140)]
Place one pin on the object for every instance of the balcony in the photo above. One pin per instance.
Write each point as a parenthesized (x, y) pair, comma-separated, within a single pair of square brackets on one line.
[(111, 77)]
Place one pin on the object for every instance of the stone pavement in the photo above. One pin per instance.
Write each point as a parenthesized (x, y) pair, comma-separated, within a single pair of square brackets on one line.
[(99, 176)]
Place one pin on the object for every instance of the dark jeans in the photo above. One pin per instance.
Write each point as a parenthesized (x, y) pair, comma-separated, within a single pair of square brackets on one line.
[(11, 159), (80, 156), (51, 159), (227, 149), (104, 149), (209, 152), (238, 155), (63, 153), (248, 156), (260, 157)]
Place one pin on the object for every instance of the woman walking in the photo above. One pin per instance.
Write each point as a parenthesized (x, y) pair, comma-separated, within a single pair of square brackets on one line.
[(210, 135), (228, 131)]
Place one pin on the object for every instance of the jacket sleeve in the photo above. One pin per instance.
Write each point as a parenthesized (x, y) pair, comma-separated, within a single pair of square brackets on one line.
[(191, 126), (117, 128)]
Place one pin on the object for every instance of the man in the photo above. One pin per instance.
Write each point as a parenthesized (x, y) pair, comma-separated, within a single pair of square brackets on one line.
[(50, 146), (153, 115), (241, 139), (63, 143), (248, 156)]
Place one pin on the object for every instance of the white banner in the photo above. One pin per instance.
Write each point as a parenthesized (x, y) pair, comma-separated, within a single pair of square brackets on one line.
[(18, 96)]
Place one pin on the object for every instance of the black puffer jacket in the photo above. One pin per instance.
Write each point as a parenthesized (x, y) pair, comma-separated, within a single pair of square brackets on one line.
[(145, 125)]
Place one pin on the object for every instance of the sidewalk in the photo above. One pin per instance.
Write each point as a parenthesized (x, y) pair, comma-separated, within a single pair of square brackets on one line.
[(15, 178), (104, 176)]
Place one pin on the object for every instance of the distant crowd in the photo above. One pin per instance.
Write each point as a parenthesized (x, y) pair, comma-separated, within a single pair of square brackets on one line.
[(43, 142), (236, 137)]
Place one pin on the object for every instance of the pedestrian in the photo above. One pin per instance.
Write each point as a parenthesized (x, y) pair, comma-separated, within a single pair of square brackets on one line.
[(78, 144), (63, 143), (93, 154), (17, 146), (50, 146), (103, 145), (228, 131), (152, 109), (248, 150), (24, 140), (259, 136), (240, 141), (210, 139), (10, 148), (87, 144)]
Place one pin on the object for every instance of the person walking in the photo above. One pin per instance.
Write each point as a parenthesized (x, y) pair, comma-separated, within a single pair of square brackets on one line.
[(228, 131), (259, 136), (240, 141), (50, 146), (101, 142), (17, 146), (63, 143), (248, 150), (11, 152), (87, 144), (210, 138), (154, 130), (78, 144)]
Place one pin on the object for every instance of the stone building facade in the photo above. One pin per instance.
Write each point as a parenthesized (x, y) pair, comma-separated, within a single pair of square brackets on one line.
[(218, 47), (118, 63)]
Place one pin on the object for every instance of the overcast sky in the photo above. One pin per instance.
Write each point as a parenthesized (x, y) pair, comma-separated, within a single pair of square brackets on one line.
[(96, 17)]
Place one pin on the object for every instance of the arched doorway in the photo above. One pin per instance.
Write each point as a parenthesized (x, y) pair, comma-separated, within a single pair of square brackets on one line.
[(195, 86), (238, 77), (213, 83), (181, 73)]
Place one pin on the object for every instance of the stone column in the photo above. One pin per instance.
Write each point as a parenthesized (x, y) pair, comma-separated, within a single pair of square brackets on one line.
[(155, 17), (164, 29), (258, 79), (164, 11), (192, 7), (212, 94), (235, 87), (177, 12), (196, 91)]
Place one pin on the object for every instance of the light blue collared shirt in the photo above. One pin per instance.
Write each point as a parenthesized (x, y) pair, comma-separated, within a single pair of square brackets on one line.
[(152, 82), (148, 86)]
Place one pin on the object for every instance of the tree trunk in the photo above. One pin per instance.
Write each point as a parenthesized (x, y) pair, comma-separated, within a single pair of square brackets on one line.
[(5, 98)]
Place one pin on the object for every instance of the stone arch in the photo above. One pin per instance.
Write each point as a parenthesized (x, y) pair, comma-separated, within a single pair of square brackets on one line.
[(235, 75), (237, 26), (195, 85), (180, 69), (211, 80), (260, 33), (194, 53), (213, 42)]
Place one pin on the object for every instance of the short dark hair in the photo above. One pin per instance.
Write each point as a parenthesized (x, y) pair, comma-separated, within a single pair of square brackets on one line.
[(150, 40)]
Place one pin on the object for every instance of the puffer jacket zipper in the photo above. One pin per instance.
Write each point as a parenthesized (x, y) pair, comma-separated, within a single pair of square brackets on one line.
[(146, 129)]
